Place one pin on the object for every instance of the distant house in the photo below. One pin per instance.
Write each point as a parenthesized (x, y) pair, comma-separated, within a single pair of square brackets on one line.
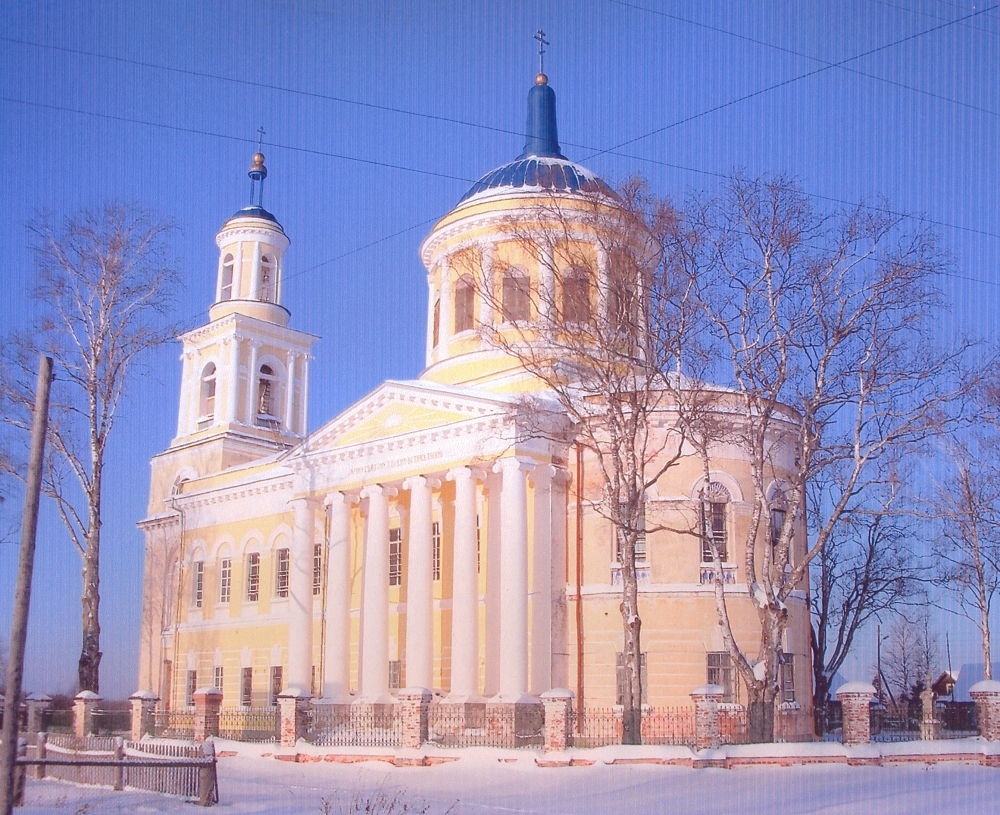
[(944, 685)]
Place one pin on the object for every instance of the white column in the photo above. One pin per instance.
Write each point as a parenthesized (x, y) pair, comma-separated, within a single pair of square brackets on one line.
[(486, 301), (419, 585), (279, 275), (304, 407), (255, 272), (252, 385), (218, 279), (465, 589), (513, 579), (337, 641), (492, 585), (559, 628), (603, 282), (431, 293), (300, 597), (232, 380), (375, 597), (290, 395), (541, 581), (238, 272), (546, 286), (445, 321)]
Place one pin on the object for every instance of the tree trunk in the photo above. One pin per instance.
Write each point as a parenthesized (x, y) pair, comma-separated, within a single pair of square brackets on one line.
[(631, 657), (760, 717), (984, 628), (821, 695), (88, 670)]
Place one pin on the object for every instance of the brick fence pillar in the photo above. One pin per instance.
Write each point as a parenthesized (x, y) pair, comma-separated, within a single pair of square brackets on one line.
[(294, 705), (558, 715), (143, 708), (207, 703), (930, 725), (706, 716), (84, 705), (414, 707), (986, 695), (37, 705), (855, 702)]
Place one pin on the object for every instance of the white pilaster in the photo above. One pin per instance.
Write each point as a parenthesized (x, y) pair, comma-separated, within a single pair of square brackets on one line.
[(445, 321), (486, 301), (603, 283), (290, 396), (304, 407), (252, 385), (375, 597), (431, 294), (279, 275), (337, 642), (419, 588), (232, 377), (238, 272), (218, 278), (513, 578), (300, 597), (465, 589), (541, 582), (546, 286), (255, 272)]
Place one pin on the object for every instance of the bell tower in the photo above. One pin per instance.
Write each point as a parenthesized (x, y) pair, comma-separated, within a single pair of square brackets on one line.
[(245, 380)]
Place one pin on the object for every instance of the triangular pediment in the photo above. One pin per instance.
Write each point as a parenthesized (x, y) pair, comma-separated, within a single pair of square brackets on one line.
[(399, 408)]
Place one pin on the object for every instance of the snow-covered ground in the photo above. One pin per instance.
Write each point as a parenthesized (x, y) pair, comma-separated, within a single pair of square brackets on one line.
[(482, 784)]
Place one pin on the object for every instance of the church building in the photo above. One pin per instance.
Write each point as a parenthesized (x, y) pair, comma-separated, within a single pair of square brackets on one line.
[(423, 537)]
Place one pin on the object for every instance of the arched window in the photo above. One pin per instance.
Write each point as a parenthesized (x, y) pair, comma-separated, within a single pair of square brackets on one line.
[(206, 410), (516, 306), (436, 328), (576, 297), (266, 386), (266, 280), (227, 278), (714, 498), (464, 299)]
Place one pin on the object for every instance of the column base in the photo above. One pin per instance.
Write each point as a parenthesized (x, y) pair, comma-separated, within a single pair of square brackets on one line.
[(516, 723)]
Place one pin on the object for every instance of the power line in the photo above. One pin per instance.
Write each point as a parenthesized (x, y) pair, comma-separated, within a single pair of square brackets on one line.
[(241, 139), (792, 80), (792, 52)]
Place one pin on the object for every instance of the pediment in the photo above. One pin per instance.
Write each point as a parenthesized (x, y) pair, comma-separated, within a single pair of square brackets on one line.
[(400, 408)]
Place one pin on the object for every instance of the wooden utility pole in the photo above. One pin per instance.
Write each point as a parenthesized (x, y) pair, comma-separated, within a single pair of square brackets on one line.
[(22, 593)]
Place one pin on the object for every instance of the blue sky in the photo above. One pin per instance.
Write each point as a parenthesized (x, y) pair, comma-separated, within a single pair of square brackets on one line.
[(379, 115)]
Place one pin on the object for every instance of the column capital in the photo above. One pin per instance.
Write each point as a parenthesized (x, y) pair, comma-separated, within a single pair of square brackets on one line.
[(456, 473), (338, 498), (311, 501), (560, 475), (418, 481), (378, 489), (513, 464)]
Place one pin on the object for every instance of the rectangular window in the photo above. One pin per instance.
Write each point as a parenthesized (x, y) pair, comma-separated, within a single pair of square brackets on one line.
[(777, 523), (436, 330), (640, 539), (395, 557), (217, 678), (395, 674), (281, 576), (576, 298), (516, 306), (246, 687), (620, 678), (253, 576), (713, 520), (786, 675), (199, 583), (190, 688), (436, 550), (275, 689), (464, 302), (720, 672), (317, 568), (225, 579)]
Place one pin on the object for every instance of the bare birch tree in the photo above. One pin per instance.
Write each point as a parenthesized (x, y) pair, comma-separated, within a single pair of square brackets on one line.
[(966, 552), (601, 332), (105, 285), (825, 331)]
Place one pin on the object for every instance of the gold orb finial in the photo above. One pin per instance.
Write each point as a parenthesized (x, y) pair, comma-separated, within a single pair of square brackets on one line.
[(541, 79), (258, 159)]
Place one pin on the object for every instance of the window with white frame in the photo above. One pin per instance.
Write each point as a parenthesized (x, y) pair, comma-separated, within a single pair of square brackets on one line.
[(190, 687), (715, 498), (576, 297), (198, 584), (516, 301), (640, 537), (786, 676), (275, 688), (206, 407), (227, 278), (225, 579), (283, 557), (436, 550), (395, 674), (217, 678), (317, 568), (253, 576), (267, 383), (266, 280), (778, 515), (395, 556), (246, 687), (620, 678), (720, 672), (464, 304)]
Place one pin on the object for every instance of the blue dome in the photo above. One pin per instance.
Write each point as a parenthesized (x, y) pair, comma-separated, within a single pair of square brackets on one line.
[(541, 173), (257, 212)]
